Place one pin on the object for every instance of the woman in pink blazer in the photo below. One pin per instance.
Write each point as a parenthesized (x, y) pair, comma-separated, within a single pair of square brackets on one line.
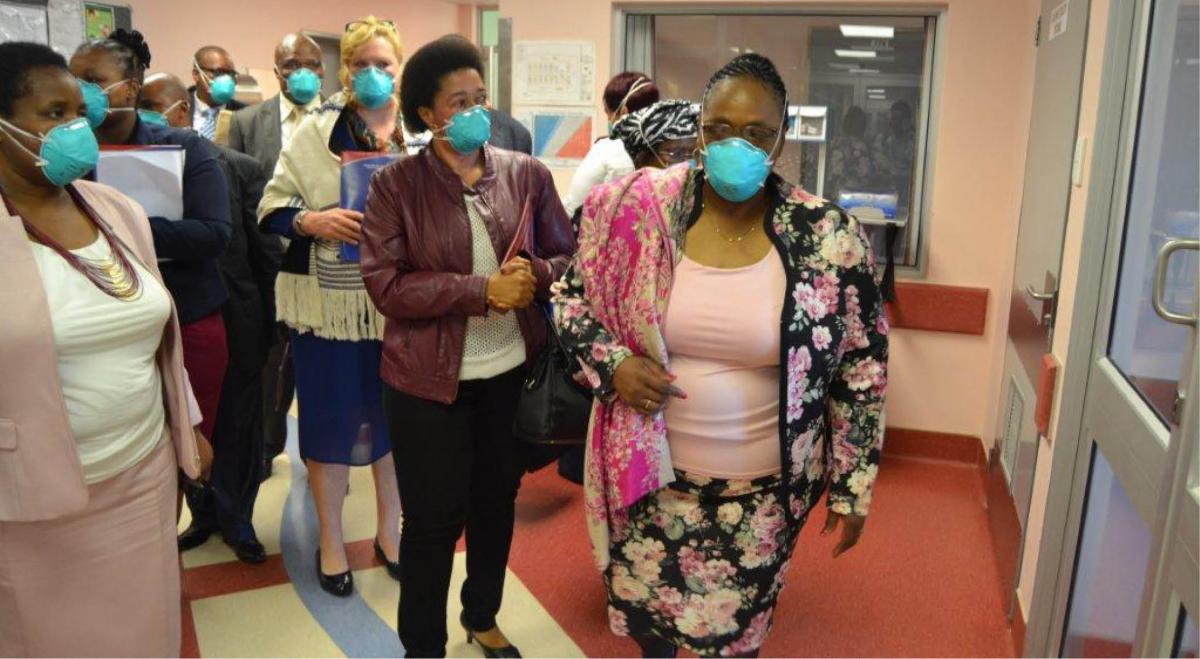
[(93, 399)]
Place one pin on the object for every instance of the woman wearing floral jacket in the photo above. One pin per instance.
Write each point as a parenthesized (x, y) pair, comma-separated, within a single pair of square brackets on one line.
[(751, 308)]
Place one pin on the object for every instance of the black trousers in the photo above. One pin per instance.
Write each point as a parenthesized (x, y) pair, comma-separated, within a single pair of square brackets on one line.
[(278, 389), (226, 502), (459, 468)]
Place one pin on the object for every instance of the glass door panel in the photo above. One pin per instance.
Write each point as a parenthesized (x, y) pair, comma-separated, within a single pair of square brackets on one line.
[(1110, 570), (1149, 350)]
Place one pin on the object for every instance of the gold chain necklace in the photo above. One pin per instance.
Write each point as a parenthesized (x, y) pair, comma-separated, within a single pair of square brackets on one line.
[(122, 284), (733, 240)]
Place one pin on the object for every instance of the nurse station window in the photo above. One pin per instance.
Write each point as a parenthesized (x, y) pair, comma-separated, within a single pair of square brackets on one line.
[(859, 88)]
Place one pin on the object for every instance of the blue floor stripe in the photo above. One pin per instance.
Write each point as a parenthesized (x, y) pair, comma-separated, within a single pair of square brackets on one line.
[(352, 624)]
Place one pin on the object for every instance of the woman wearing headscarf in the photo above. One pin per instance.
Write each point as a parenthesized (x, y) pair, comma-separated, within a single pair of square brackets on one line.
[(660, 135), (336, 331), (692, 283), (627, 92)]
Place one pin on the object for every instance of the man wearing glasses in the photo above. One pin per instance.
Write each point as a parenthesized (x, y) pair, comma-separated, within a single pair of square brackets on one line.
[(215, 85)]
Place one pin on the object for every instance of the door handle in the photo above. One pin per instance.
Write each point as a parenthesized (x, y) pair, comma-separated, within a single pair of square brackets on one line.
[(1160, 281), (1040, 297)]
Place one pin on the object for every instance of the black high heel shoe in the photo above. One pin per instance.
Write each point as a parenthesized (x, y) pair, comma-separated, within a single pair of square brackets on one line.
[(506, 652), (338, 585), (393, 567)]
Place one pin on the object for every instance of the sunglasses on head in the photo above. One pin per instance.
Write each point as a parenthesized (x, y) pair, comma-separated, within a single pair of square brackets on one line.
[(354, 25)]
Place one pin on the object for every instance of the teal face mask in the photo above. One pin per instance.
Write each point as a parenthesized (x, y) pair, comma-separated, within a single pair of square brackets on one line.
[(221, 88), (153, 118), (157, 118), (68, 151), (373, 87), (95, 98), (303, 85), (735, 168), (469, 129)]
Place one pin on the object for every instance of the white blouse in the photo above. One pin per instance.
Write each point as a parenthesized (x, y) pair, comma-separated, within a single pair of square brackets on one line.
[(605, 161), (107, 351)]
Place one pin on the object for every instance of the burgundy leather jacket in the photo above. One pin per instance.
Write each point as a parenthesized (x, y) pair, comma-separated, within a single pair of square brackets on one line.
[(416, 260)]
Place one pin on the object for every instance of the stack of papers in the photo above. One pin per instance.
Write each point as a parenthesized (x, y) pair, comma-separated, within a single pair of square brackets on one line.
[(150, 175)]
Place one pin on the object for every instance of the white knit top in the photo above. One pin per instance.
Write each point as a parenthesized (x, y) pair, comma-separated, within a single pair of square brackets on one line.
[(494, 344)]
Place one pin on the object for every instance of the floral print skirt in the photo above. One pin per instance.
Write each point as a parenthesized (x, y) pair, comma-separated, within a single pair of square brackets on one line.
[(701, 564)]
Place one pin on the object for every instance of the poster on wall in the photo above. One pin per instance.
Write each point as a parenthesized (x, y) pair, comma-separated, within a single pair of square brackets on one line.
[(561, 136), (554, 72), (98, 21), (19, 22)]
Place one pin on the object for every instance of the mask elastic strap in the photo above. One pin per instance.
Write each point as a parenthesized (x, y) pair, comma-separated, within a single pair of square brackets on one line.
[(37, 159), (782, 131), (642, 134), (172, 106), (641, 84), (203, 75)]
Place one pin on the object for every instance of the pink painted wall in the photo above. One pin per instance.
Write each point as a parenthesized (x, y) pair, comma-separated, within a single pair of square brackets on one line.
[(250, 29), (939, 381)]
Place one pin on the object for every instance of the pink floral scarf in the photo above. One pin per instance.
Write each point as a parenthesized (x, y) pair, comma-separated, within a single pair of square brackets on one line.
[(626, 258)]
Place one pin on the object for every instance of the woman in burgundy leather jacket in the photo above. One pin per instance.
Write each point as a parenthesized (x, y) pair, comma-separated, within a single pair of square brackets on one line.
[(462, 323)]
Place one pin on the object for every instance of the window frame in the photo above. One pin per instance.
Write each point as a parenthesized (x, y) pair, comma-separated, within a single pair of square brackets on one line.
[(924, 165)]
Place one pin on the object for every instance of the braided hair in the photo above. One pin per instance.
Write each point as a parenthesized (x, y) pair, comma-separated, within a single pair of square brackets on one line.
[(757, 67), (128, 48)]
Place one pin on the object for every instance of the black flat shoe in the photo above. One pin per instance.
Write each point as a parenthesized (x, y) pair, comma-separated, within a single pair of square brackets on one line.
[(338, 585), (194, 536), (248, 551), (506, 652), (393, 567)]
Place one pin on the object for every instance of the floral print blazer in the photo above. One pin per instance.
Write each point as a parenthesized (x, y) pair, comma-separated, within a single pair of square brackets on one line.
[(834, 331)]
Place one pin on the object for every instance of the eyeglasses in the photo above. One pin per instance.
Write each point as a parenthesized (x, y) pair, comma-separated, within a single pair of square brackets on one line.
[(216, 73), (293, 64), (754, 133), (677, 155), (354, 25)]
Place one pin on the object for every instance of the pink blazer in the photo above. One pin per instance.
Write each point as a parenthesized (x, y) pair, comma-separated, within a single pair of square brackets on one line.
[(40, 474)]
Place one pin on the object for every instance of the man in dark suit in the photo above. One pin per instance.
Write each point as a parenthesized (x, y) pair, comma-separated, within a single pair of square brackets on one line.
[(248, 268), (508, 133), (262, 131), (208, 64)]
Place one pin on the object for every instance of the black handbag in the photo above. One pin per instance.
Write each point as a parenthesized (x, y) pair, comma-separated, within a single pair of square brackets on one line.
[(553, 408)]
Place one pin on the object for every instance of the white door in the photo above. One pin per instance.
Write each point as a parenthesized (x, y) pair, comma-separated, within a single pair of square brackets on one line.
[(1061, 43), (1127, 582)]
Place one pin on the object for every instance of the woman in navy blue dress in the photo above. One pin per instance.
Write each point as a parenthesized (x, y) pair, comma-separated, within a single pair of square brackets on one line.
[(336, 331)]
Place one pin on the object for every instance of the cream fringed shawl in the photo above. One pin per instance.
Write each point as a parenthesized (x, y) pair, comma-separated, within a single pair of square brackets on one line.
[(328, 300)]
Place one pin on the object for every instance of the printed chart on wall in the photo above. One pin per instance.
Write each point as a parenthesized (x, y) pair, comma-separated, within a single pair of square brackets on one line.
[(554, 72), (561, 136), (98, 20)]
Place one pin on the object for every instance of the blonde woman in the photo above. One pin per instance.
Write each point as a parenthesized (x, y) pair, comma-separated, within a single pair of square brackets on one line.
[(336, 332)]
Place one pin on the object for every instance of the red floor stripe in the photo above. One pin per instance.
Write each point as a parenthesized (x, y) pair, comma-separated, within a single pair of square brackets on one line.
[(235, 577), (190, 642)]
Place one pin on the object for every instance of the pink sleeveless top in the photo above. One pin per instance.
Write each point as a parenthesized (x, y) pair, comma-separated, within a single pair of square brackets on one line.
[(722, 332)]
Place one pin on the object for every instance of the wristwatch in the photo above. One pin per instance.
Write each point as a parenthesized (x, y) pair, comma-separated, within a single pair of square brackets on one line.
[(297, 223)]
